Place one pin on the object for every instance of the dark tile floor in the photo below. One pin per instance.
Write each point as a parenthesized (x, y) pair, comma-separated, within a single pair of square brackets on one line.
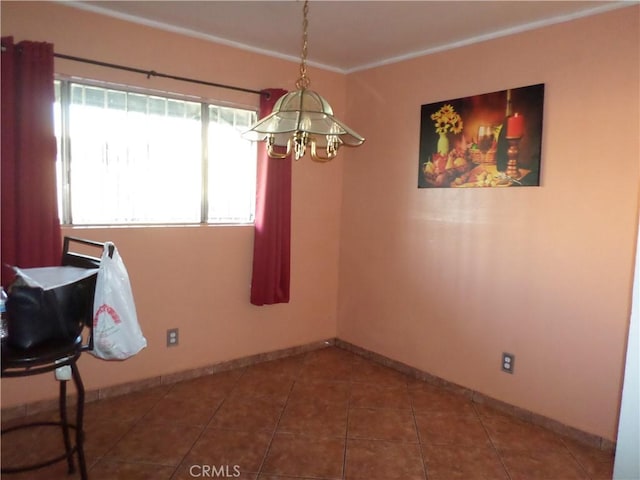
[(327, 414)]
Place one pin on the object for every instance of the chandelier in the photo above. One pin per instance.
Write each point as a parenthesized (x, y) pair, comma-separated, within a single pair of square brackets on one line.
[(303, 119)]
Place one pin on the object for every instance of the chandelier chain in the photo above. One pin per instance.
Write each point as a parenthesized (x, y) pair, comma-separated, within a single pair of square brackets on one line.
[(303, 81), (303, 120)]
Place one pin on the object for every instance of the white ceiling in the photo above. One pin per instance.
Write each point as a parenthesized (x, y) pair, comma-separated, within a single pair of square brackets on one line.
[(347, 36)]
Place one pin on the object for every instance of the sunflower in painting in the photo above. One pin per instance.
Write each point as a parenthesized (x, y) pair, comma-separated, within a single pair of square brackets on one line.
[(446, 120)]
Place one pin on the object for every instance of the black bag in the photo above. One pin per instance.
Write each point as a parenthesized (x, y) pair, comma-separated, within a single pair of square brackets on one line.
[(36, 316)]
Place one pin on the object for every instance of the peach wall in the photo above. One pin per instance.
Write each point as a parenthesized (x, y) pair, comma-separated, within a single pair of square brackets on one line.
[(445, 280), (197, 278)]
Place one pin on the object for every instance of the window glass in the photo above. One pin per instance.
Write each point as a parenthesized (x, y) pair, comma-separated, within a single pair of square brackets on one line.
[(138, 159), (231, 159)]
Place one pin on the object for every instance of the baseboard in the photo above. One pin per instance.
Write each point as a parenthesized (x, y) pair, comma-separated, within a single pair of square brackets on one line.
[(40, 406), (170, 378), (480, 398)]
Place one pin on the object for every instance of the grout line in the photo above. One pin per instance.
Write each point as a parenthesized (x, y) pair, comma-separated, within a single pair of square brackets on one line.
[(208, 422), (415, 424), (493, 446), (134, 424), (104, 455), (575, 458), (275, 430), (346, 430)]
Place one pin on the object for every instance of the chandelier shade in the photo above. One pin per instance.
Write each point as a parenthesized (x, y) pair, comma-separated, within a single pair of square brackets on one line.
[(301, 119), (303, 115)]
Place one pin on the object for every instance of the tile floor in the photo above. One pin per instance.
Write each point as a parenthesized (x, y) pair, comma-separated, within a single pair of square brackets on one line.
[(327, 414)]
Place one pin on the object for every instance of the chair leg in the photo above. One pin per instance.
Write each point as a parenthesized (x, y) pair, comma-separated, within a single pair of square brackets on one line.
[(65, 425), (79, 421)]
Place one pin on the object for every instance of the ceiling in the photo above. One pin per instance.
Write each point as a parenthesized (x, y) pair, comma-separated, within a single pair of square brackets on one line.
[(347, 36)]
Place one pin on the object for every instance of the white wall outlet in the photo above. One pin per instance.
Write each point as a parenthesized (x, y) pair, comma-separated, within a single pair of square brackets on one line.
[(172, 337), (508, 360)]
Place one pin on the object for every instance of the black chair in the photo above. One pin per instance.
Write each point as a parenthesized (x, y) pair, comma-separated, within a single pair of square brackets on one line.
[(52, 354)]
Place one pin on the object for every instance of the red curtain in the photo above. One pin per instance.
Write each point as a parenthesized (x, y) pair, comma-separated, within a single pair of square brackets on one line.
[(272, 241), (30, 222)]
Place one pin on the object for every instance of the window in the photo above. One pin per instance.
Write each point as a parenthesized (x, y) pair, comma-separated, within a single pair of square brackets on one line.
[(131, 158)]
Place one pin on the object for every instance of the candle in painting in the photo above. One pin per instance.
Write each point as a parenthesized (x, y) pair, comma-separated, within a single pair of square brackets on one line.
[(515, 126)]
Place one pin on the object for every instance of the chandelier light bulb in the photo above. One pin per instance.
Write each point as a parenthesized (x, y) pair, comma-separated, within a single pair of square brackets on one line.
[(303, 118)]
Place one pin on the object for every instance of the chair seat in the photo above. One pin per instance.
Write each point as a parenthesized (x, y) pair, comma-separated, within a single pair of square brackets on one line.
[(48, 355)]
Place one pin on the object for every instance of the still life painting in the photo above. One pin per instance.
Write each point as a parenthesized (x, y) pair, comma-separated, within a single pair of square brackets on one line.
[(488, 140)]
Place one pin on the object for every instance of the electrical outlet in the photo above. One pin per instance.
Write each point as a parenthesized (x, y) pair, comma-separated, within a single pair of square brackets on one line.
[(508, 360), (172, 337)]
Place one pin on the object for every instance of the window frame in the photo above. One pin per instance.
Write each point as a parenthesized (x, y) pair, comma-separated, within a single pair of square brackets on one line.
[(63, 86)]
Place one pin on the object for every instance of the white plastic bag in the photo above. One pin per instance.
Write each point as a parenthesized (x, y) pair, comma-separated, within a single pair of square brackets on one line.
[(116, 332)]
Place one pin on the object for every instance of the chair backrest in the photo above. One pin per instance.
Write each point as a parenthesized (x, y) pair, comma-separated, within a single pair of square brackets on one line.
[(79, 259), (82, 260)]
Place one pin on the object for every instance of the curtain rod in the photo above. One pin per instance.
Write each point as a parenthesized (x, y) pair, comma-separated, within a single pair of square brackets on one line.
[(153, 73)]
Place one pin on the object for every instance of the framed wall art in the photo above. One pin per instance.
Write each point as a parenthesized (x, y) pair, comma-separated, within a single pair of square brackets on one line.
[(488, 140)]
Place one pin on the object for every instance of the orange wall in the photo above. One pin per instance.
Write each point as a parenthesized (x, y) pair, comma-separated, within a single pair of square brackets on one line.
[(197, 278), (445, 280)]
